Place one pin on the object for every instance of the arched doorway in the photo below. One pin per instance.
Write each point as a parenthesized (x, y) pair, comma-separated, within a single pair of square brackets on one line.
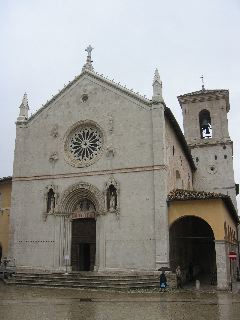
[(192, 247), (83, 248)]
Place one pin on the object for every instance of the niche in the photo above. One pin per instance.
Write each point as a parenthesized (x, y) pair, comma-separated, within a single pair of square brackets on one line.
[(112, 196), (50, 197), (50, 201)]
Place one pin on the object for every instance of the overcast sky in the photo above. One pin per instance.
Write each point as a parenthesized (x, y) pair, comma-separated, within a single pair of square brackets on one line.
[(43, 42)]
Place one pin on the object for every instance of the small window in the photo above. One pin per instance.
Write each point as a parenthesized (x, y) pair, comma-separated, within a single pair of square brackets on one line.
[(225, 156), (84, 97), (173, 150), (215, 157)]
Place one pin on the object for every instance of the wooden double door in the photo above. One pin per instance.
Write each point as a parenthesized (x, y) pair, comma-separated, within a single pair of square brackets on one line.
[(83, 244)]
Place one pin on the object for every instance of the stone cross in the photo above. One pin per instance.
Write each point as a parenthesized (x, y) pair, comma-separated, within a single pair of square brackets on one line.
[(203, 88), (89, 49)]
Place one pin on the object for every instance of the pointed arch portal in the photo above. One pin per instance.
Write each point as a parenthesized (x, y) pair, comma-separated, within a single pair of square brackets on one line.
[(192, 247), (82, 203)]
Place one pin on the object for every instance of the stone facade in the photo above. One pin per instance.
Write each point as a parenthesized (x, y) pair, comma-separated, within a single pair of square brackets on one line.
[(99, 151), (5, 206)]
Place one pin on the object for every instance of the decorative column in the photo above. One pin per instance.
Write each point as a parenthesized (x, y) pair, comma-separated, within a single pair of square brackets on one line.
[(222, 262), (100, 262), (64, 240)]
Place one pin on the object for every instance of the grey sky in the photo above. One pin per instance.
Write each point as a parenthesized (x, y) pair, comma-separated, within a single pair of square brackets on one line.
[(43, 42)]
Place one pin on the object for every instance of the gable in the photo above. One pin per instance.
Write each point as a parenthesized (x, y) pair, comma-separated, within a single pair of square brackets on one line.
[(99, 80)]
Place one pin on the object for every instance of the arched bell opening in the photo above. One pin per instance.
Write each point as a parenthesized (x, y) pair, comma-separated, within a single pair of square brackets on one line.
[(192, 247), (205, 124)]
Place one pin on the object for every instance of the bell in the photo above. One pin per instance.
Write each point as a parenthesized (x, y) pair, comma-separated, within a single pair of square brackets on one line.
[(207, 129)]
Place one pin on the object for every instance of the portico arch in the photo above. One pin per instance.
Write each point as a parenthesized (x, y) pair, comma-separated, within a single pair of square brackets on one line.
[(192, 247)]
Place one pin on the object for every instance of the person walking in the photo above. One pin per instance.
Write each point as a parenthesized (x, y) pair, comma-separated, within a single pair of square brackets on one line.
[(179, 277), (163, 281)]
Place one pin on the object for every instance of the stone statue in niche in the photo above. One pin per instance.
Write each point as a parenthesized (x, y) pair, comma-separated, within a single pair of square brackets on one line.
[(112, 198), (50, 201)]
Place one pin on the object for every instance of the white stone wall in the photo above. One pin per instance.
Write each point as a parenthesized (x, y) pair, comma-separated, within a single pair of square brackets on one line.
[(177, 161), (125, 243), (214, 169)]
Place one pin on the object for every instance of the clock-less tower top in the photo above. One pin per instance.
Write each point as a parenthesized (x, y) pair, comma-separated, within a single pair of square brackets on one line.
[(206, 131)]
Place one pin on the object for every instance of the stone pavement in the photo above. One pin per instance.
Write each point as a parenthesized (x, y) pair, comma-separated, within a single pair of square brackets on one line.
[(26, 303)]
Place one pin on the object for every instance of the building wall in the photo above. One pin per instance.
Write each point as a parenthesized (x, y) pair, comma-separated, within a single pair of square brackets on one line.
[(127, 242), (177, 161), (5, 205), (211, 160)]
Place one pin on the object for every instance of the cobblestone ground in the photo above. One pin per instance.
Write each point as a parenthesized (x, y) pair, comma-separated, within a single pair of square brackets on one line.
[(25, 303)]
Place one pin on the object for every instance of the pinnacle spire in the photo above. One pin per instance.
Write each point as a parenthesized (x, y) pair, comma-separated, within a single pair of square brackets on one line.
[(156, 76), (157, 88), (88, 64), (23, 113)]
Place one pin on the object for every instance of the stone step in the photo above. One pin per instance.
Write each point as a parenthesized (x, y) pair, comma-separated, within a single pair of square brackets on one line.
[(88, 280), (85, 286)]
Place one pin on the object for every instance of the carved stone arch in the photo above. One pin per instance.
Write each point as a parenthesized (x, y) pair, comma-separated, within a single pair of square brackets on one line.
[(77, 192), (112, 183)]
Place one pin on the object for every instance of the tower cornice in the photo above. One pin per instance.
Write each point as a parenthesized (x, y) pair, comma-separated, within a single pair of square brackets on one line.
[(205, 95)]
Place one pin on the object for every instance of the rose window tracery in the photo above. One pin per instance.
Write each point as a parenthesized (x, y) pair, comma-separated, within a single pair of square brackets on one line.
[(84, 144)]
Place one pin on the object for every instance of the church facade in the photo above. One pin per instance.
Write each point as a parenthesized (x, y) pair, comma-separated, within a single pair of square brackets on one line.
[(95, 175)]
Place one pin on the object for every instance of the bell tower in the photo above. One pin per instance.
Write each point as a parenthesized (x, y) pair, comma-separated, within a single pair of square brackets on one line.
[(206, 131)]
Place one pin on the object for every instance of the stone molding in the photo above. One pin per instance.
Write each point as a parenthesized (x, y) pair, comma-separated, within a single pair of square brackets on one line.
[(92, 173)]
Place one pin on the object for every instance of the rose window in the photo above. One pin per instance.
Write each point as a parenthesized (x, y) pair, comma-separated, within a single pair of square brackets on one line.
[(84, 144)]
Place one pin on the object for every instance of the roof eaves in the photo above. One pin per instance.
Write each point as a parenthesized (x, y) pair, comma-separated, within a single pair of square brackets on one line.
[(189, 195), (6, 179)]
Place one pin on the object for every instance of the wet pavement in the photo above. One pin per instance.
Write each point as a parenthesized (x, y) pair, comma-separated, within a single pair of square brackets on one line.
[(26, 303)]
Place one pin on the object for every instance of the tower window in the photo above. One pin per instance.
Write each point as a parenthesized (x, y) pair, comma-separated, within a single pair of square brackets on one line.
[(215, 157), (205, 124), (225, 156)]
